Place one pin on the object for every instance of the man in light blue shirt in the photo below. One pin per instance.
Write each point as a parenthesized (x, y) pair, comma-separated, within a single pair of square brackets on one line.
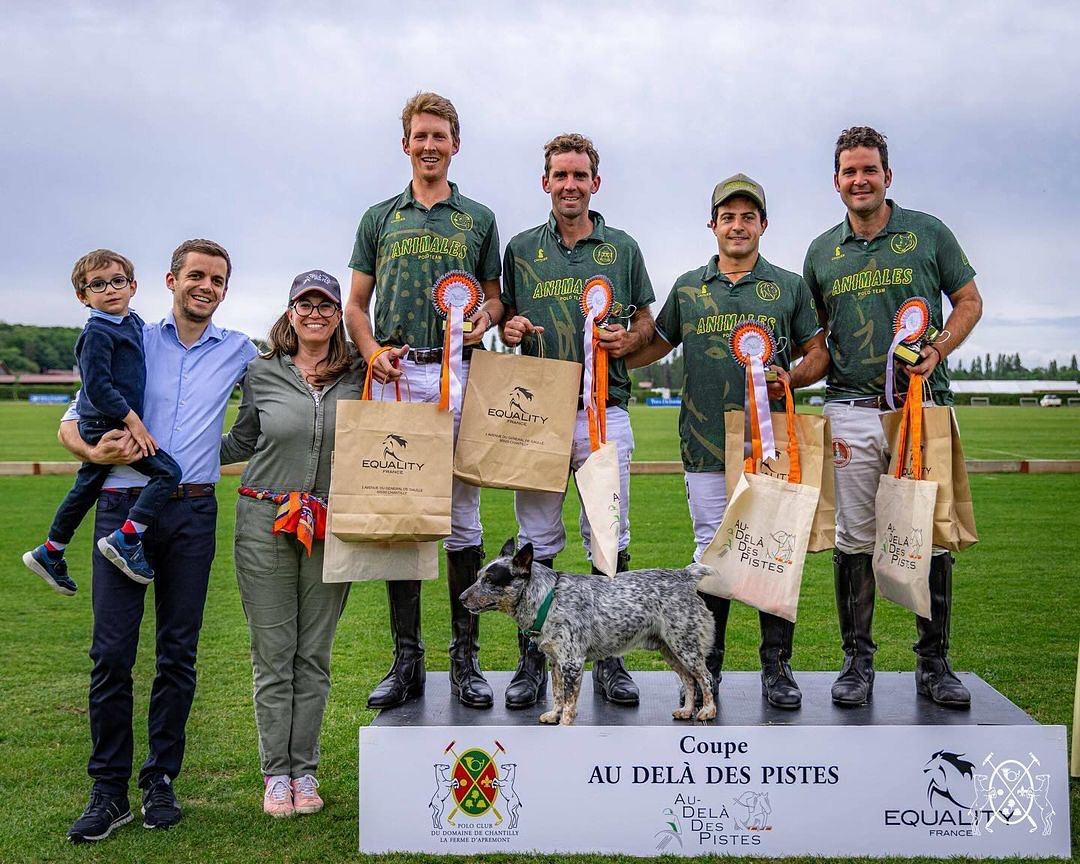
[(192, 366)]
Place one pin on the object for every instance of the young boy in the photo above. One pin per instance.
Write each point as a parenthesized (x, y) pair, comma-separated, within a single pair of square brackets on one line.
[(113, 371)]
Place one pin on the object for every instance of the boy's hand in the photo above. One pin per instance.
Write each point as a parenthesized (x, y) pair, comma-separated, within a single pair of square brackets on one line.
[(139, 434)]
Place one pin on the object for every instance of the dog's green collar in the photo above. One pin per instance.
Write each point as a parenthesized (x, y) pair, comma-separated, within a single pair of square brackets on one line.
[(541, 615)]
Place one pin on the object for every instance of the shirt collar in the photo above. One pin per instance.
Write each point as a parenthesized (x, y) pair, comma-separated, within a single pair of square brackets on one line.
[(599, 230), (897, 223), (212, 331), (762, 269), (116, 319), (407, 198)]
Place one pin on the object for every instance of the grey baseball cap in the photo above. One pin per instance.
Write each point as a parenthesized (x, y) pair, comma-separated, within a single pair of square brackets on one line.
[(316, 280), (738, 184)]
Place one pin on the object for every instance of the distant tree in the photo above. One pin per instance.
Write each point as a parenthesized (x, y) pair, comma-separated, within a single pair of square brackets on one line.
[(1072, 365)]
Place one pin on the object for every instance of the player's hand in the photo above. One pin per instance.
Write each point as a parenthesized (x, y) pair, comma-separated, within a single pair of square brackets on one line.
[(516, 329), (116, 447), (929, 362), (776, 388), (481, 320), (617, 340), (385, 368)]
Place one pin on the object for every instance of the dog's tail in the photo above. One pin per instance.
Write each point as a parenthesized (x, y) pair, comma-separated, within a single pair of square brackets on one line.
[(699, 571)]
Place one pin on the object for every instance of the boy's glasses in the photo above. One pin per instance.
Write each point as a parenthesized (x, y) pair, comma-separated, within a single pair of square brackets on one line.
[(326, 309), (99, 285)]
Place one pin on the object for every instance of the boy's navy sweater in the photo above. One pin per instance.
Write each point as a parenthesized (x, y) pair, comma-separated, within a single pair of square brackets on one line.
[(113, 368)]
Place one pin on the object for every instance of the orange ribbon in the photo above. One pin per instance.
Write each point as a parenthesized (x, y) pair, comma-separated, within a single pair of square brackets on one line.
[(911, 426), (794, 466), (597, 407)]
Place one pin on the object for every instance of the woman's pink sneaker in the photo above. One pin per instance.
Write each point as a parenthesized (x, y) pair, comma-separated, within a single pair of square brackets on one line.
[(278, 797), (304, 797)]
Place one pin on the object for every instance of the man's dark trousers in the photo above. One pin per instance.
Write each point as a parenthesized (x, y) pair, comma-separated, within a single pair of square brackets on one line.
[(180, 551)]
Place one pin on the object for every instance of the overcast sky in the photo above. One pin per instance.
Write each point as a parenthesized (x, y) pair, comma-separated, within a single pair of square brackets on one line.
[(271, 126)]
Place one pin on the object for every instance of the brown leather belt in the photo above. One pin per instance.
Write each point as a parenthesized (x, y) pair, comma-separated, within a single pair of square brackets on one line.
[(421, 356), (184, 490), (877, 402)]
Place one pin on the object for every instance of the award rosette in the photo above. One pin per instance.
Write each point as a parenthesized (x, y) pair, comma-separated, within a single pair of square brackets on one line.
[(597, 298), (910, 324), (752, 345), (455, 296)]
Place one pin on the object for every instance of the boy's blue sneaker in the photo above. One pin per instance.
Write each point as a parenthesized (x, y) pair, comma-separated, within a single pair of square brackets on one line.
[(130, 560), (52, 570)]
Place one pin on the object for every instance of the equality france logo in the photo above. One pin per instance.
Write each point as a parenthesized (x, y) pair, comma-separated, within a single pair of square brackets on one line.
[(966, 799)]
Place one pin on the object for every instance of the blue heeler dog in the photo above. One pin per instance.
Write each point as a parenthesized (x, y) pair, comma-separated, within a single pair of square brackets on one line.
[(575, 617)]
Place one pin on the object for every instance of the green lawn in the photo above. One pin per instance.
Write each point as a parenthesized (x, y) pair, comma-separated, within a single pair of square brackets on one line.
[(1017, 623), (997, 432)]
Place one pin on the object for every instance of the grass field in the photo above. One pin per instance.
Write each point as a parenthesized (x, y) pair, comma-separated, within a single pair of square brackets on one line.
[(998, 432), (1016, 624)]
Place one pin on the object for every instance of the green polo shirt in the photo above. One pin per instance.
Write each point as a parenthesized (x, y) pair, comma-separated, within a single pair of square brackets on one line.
[(407, 247), (862, 283), (543, 281), (699, 314)]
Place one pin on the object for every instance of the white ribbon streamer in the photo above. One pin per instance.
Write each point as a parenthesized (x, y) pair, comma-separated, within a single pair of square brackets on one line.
[(587, 397), (454, 321), (761, 403), (890, 365)]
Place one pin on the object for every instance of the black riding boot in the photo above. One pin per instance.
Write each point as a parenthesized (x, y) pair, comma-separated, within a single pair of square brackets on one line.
[(777, 683), (405, 680), (466, 681), (610, 678), (530, 680), (934, 676), (854, 580)]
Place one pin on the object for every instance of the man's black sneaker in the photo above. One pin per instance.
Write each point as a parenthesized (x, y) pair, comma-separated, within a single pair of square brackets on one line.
[(159, 806), (102, 814)]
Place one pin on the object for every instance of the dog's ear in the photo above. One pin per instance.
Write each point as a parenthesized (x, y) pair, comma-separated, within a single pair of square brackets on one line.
[(522, 562), (508, 549)]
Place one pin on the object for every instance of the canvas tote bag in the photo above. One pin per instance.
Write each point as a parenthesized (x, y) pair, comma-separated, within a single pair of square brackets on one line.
[(815, 457), (517, 422), (904, 513), (758, 552), (393, 469), (943, 462)]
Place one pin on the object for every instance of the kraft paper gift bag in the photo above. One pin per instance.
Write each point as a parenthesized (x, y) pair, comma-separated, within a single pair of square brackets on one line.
[(358, 561), (815, 453), (943, 462), (904, 515), (393, 470), (758, 552), (598, 485), (517, 422)]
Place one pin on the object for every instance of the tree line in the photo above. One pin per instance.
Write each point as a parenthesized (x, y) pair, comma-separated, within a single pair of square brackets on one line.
[(26, 348)]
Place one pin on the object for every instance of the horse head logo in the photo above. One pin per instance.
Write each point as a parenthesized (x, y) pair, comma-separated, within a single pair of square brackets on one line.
[(945, 771), (516, 395), (390, 442)]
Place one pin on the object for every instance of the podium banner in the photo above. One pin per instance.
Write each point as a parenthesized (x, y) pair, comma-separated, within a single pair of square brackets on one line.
[(691, 790)]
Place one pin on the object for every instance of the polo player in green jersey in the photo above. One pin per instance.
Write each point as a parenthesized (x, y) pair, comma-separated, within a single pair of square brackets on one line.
[(544, 274), (861, 272), (403, 245), (704, 305)]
